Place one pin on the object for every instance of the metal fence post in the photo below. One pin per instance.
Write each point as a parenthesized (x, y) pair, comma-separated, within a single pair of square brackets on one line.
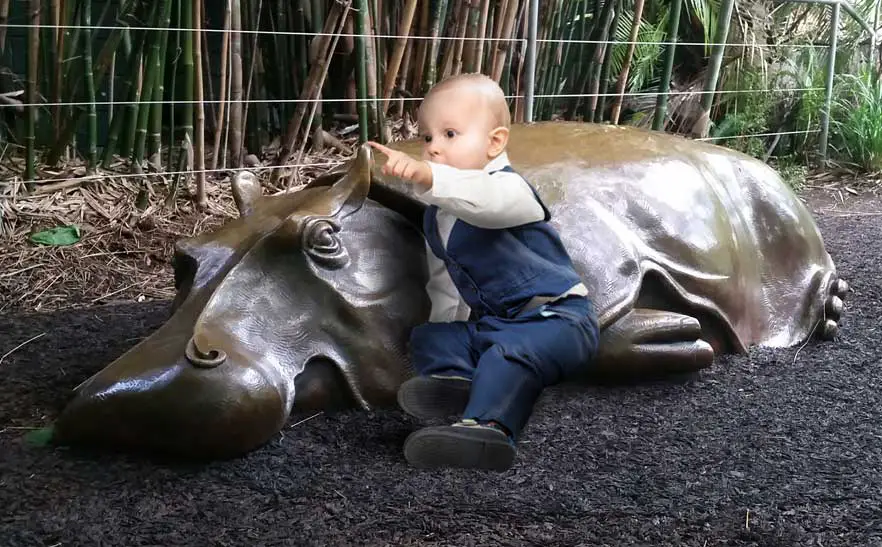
[(532, 26), (831, 66)]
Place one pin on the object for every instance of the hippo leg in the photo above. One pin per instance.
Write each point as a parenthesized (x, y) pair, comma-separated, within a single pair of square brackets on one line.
[(648, 343), (833, 307)]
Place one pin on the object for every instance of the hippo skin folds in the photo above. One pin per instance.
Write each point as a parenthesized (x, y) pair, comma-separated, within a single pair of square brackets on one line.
[(307, 300)]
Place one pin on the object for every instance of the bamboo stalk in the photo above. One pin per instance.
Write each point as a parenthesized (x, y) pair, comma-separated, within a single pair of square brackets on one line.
[(317, 12), (546, 52), (575, 85), (661, 105), (701, 126), (255, 57), (128, 12), (600, 55), (629, 54), (235, 150), (300, 47), (219, 124), (58, 84), (90, 85), (4, 19), (131, 109), (189, 77), (460, 42), (151, 73), (482, 34), (154, 148), (579, 7), (199, 130), (206, 64), (320, 80), (33, 58), (505, 35), (398, 53), (470, 48), (173, 91), (370, 51), (598, 31), (361, 68), (597, 115), (405, 71), (430, 74), (129, 92), (314, 83)]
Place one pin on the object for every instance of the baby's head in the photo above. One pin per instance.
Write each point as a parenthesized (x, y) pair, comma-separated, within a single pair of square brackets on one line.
[(464, 121)]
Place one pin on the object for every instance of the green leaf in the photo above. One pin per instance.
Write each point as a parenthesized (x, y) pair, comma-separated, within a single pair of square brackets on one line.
[(39, 437), (60, 236)]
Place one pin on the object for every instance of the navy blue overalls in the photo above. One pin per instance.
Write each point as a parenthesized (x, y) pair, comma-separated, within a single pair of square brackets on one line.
[(510, 353)]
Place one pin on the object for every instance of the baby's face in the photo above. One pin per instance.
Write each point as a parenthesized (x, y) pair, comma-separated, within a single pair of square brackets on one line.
[(455, 127)]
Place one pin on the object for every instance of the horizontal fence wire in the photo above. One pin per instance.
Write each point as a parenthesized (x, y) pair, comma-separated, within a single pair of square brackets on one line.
[(392, 99), (411, 36), (771, 134)]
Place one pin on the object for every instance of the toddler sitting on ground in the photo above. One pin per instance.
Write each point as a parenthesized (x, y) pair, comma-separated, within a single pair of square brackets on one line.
[(510, 315)]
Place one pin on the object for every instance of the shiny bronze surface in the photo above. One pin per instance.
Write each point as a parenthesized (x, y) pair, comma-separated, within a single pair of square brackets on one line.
[(307, 299)]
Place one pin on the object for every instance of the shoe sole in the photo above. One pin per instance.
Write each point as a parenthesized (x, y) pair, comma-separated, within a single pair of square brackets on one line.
[(428, 398), (461, 447)]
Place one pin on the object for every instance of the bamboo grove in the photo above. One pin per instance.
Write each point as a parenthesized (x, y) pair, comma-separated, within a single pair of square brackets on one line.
[(275, 75)]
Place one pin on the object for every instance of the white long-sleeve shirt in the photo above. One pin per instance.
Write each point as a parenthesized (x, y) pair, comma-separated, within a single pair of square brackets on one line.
[(499, 200)]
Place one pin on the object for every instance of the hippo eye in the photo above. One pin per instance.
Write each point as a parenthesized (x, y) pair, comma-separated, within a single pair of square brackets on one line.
[(322, 242)]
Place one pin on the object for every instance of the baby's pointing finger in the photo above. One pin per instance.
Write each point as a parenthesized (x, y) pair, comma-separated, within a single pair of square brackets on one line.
[(388, 151)]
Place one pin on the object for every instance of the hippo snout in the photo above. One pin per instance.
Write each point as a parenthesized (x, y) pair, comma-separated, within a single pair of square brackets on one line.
[(203, 403)]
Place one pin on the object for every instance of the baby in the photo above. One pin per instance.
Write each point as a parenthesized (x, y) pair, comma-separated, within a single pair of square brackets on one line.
[(510, 315)]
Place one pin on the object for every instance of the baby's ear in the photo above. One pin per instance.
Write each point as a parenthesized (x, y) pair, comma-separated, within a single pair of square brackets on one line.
[(498, 140)]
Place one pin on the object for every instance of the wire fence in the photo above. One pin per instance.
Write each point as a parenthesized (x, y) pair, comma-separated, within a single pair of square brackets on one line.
[(193, 99)]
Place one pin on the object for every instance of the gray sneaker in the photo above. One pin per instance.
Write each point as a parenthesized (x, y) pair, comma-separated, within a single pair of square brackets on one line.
[(434, 397)]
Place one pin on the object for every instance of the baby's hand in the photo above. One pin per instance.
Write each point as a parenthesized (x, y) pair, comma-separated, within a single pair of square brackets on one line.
[(403, 166)]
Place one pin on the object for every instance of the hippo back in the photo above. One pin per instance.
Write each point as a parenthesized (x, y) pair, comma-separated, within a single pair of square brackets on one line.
[(720, 228)]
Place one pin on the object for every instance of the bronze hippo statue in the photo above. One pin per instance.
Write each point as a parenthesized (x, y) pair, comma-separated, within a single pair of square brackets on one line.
[(307, 300)]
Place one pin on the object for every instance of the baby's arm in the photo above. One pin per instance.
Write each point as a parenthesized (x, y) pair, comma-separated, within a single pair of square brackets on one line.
[(500, 200)]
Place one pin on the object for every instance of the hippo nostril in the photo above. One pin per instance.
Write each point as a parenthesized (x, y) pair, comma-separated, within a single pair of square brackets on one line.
[(204, 359)]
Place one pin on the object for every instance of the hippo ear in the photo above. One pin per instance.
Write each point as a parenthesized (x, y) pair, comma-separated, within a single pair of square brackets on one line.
[(349, 193), (246, 191)]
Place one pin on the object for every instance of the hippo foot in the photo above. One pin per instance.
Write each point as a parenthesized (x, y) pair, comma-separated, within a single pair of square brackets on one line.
[(648, 343), (833, 307)]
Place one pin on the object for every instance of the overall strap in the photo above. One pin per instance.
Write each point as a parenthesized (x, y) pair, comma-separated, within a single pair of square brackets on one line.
[(430, 231)]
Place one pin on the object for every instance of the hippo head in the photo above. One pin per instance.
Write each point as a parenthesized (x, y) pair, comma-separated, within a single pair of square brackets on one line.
[(304, 302)]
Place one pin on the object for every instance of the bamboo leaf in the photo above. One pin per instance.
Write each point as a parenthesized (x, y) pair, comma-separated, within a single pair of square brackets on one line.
[(60, 236)]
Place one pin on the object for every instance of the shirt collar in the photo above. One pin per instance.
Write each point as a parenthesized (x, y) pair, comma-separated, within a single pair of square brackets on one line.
[(497, 163)]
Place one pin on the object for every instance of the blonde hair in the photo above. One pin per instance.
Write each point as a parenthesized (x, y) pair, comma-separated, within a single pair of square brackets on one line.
[(483, 85)]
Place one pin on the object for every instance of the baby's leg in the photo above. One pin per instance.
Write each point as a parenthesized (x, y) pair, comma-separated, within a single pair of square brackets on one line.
[(444, 360), (524, 357), (444, 349), (518, 359)]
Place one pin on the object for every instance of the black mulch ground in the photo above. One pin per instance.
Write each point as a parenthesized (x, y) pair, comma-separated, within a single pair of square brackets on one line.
[(776, 448)]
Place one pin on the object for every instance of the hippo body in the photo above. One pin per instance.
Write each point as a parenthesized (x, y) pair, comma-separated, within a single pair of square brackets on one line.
[(307, 300)]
